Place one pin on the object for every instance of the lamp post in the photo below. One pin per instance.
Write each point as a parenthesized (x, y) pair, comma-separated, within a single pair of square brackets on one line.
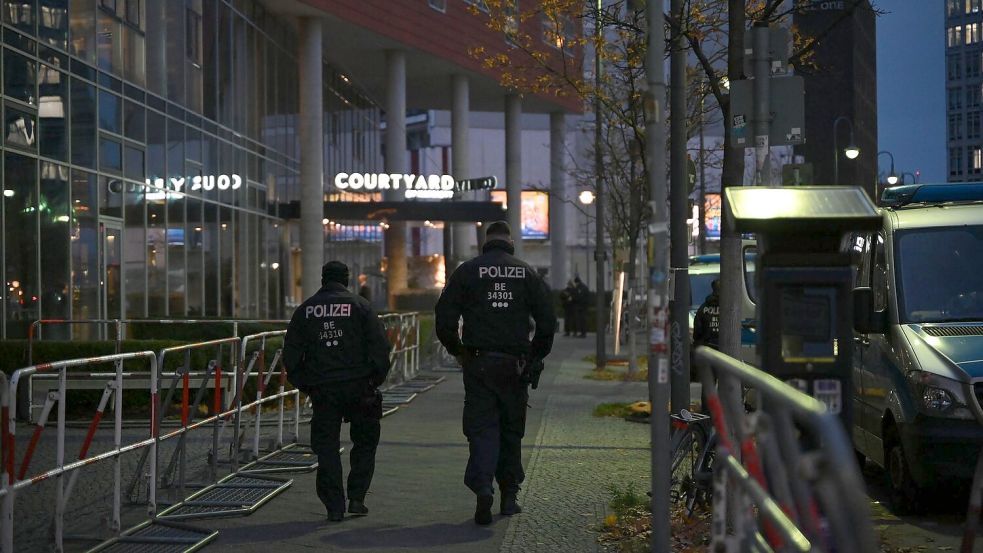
[(586, 198), (851, 151), (892, 177), (914, 179)]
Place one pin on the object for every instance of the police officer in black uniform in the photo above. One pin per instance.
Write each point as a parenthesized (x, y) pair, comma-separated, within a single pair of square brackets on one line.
[(497, 295), (336, 352), (706, 324)]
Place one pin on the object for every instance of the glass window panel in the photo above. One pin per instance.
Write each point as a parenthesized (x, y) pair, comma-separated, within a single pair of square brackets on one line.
[(227, 250), (225, 88), (53, 23), (20, 14), (20, 128), (82, 26), (134, 250), (110, 44), (175, 148), (193, 145), (194, 244), (134, 122), (156, 254), (83, 116), (209, 50), (20, 209), (212, 259), (174, 21), (134, 163), (53, 113), (110, 112), (134, 13), (134, 64), (156, 46), (85, 252), (176, 239), (56, 294), (156, 144), (110, 155), (19, 77)]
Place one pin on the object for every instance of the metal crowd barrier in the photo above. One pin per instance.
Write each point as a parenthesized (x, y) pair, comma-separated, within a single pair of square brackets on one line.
[(785, 476), (13, 482), (403, 331)]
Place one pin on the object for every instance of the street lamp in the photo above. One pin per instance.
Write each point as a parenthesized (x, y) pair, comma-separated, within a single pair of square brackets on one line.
[(586, 198), (851, 151), (892, 177)]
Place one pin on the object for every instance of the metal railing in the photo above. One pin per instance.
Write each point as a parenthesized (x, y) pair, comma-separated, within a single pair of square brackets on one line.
[(13, 482), (403, 332), (785, 477)]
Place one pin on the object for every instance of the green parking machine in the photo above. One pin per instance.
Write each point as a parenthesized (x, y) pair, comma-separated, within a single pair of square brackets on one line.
[(805, 280)]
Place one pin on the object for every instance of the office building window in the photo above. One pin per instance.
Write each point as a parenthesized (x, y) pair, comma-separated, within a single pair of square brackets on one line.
[(973, 64), (511, 27), (974, 6), (973, 125), (953, 7), (976, 163), (974, 95), (954, 36), (955, 126), (955, 99), (954, 66), (972, 31), (956, 160)]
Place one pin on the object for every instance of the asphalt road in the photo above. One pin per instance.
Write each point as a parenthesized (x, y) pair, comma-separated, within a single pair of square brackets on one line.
[(938, 528)]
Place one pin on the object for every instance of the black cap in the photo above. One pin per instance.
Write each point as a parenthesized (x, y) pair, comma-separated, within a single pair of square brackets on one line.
[(498, 228), (335, 271)]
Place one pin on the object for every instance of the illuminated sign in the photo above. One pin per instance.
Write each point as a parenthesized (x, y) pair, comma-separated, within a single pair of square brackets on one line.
[(177, 187), (535, 212), (711, 221), (435, 187)]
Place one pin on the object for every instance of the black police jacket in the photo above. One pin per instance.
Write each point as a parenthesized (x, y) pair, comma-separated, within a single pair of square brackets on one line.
[(496, 294), (706, 324), (335, 336)]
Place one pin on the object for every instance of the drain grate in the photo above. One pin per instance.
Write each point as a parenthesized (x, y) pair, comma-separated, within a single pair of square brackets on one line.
[(158, 536), (292, 458), (233, 495)]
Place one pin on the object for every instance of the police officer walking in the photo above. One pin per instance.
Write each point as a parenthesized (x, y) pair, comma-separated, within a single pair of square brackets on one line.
[(706, 324), (496, 294), (336, 352)]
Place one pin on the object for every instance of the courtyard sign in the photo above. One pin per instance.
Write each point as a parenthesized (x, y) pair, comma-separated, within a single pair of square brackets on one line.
[(413, 186)]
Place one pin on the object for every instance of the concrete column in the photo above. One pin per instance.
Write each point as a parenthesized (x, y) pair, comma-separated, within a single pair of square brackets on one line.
[(395, 235), (513, 166), (558, 204), (311, 131), (460, 162)]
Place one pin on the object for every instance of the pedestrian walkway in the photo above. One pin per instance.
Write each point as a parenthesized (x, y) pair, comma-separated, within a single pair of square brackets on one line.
[(419, 502)]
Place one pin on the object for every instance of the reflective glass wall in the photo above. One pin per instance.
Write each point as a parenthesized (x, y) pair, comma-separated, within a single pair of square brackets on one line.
[(148, 146)]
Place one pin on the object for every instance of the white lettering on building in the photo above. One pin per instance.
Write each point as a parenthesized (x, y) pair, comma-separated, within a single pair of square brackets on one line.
[(413, 186)]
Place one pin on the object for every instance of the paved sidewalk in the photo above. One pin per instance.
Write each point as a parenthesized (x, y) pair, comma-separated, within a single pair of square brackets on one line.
[(419, 501)]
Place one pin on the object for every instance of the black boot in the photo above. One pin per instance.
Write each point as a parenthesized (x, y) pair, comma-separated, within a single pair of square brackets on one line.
[(509, 505), (482, 511), (356, 507), (336, 516)]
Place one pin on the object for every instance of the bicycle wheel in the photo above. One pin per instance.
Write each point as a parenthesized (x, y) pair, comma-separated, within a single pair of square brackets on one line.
[(702, 495), (684, 465)]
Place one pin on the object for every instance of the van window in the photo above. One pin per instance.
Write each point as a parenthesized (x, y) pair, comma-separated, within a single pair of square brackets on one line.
[(860, 247), (750, 256)]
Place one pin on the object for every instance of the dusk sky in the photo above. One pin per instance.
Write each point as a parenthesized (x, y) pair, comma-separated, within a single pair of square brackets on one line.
[(911, 87)]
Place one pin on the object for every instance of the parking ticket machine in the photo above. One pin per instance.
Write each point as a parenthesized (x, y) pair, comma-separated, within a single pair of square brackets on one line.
[(805, 312)]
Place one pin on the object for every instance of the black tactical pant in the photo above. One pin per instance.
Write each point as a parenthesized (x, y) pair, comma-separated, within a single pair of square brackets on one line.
[(353, 401), (494, 423)]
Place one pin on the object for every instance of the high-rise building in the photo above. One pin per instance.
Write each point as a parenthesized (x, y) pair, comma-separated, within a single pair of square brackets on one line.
[(964, 88), (840, 91)]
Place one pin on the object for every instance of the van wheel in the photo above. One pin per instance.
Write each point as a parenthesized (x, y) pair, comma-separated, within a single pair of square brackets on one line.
[(904, 490)]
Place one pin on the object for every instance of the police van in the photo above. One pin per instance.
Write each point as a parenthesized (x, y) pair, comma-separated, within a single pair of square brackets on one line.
[(703, 270), (918, 342)]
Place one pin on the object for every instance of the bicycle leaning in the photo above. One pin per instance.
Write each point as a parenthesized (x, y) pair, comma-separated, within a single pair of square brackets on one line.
[(693, 443)]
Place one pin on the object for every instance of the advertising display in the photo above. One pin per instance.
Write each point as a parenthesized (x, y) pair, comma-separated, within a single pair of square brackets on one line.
[(535, 212), (711, 222)]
